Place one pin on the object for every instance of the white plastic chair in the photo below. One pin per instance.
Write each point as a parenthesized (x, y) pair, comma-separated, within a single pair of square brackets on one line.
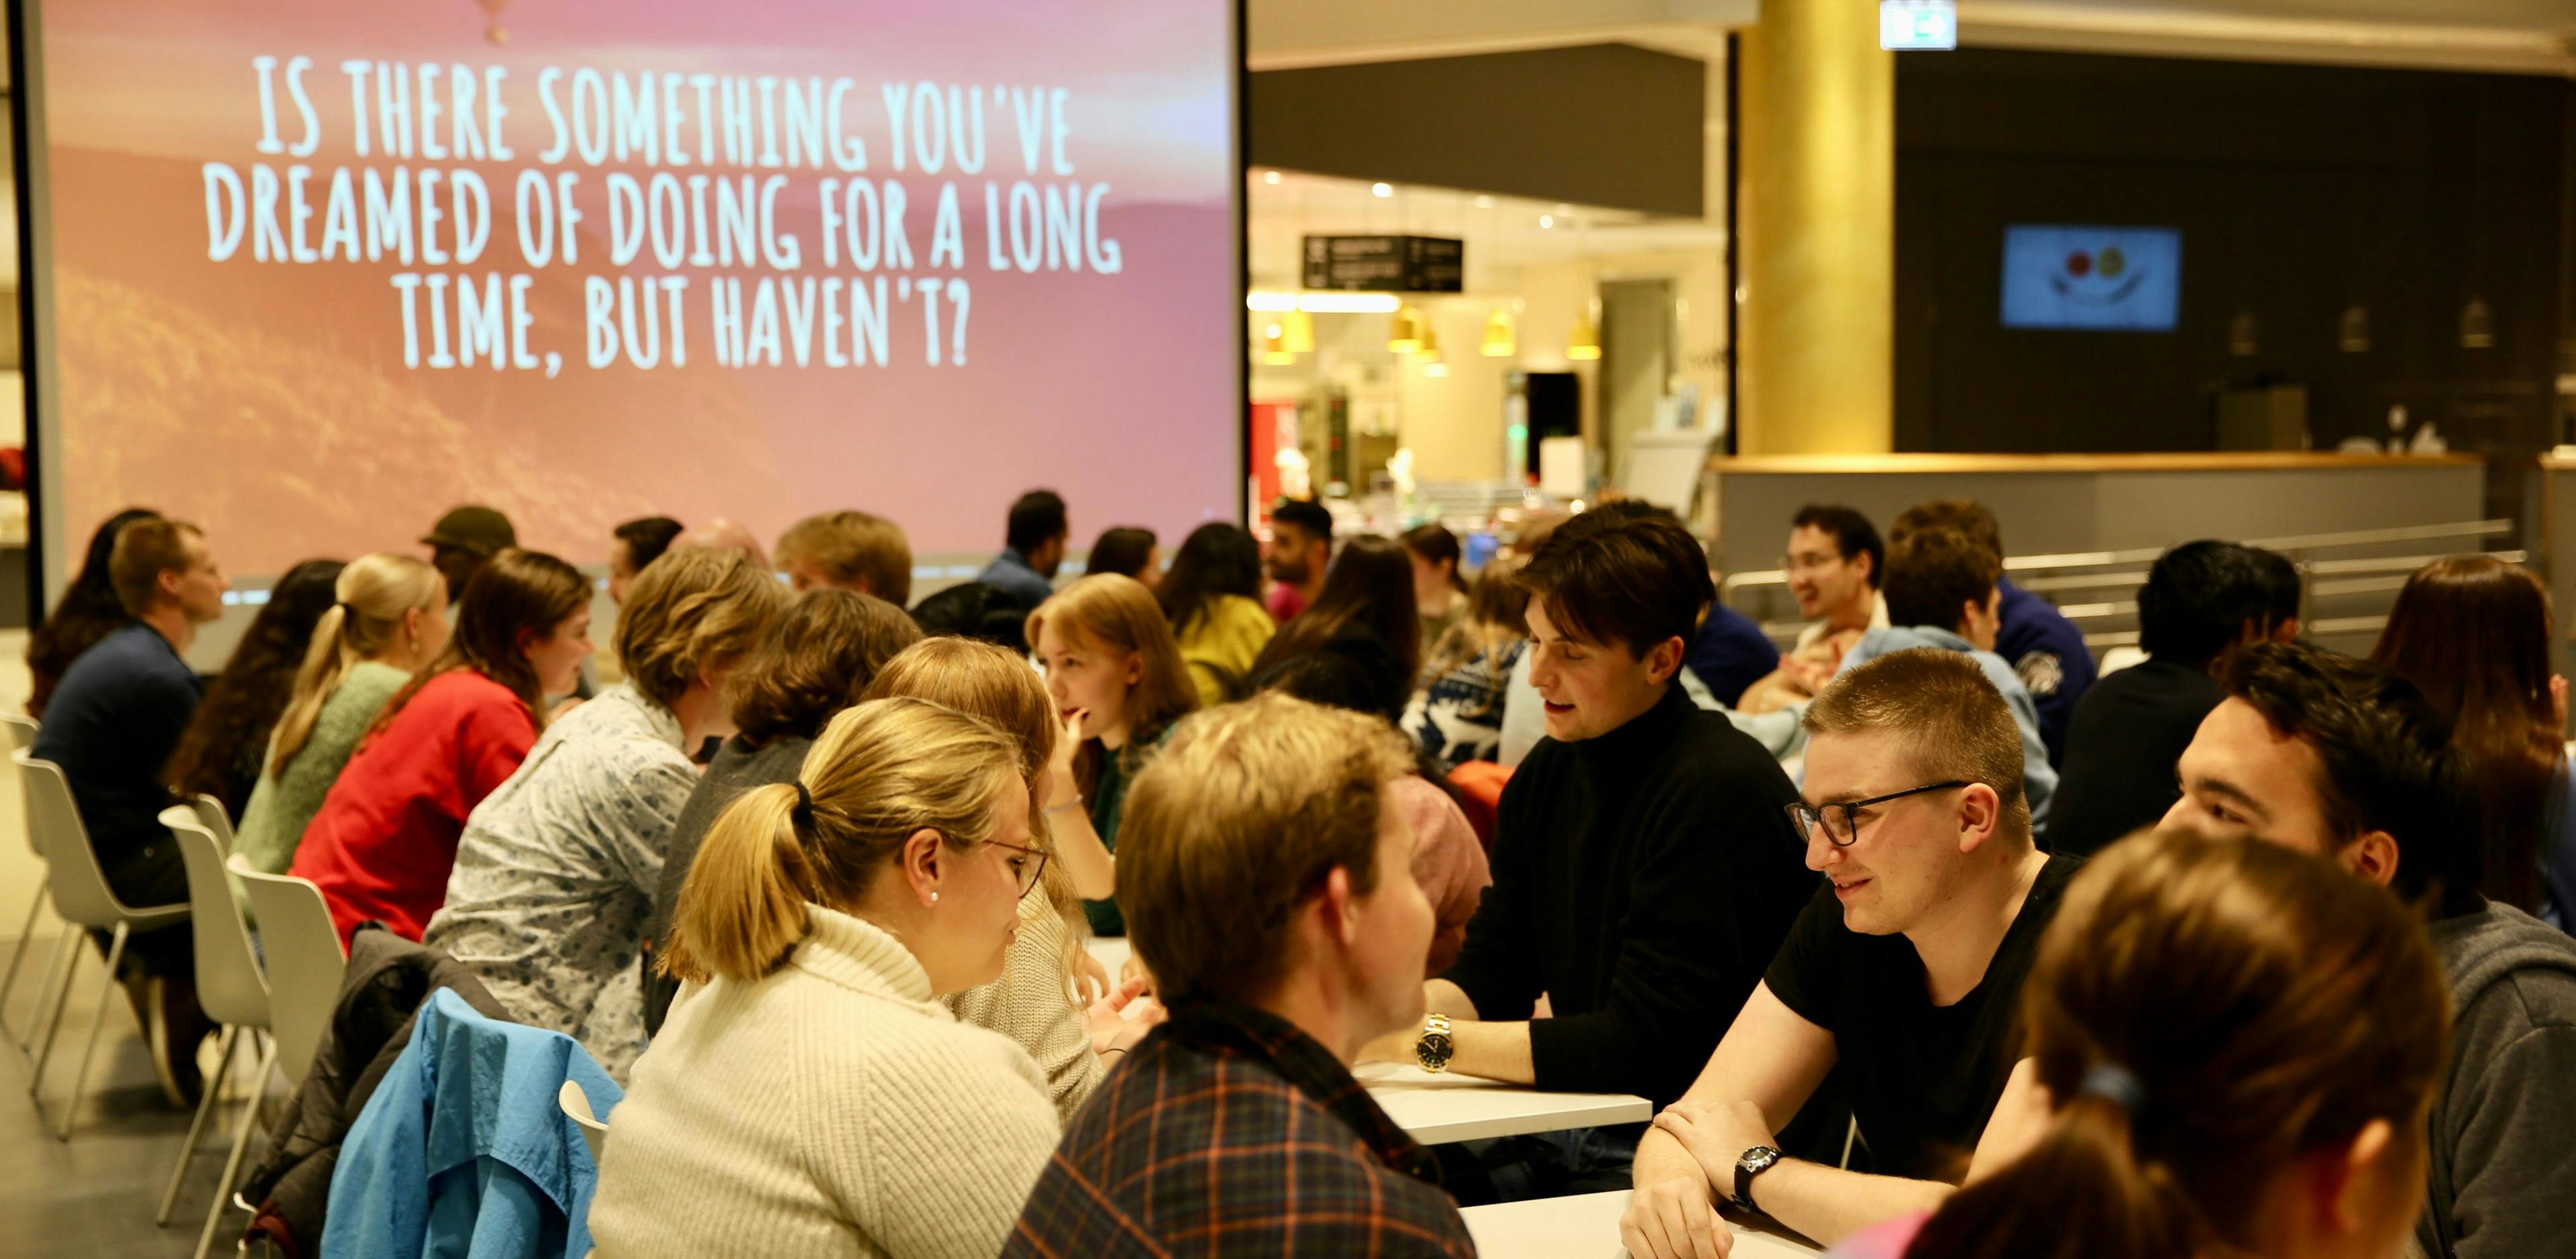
[(22, 737), (85, 901), (301, 949), (210, 814), (576, 1107), (232, 992)]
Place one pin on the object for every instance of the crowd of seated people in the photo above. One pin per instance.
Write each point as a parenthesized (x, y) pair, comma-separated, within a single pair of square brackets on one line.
[(1918, 937)]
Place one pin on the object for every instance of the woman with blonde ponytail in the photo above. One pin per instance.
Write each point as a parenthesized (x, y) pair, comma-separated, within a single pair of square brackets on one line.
[(390, 619), (2241, 1043), (809, 1094)]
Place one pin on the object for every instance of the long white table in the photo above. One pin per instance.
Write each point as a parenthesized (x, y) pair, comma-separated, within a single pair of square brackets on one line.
[(1586, 1226), (1438, 1109)]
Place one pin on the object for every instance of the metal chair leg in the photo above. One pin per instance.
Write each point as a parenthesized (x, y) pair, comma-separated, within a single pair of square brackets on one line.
[(98, 1018), (18, 957), (54, 1018), (205, 1106), (223, 1194), (44, 993)]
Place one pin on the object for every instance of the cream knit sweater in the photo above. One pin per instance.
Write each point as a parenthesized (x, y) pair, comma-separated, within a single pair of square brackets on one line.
[(831, 1108), (1029, 1004)]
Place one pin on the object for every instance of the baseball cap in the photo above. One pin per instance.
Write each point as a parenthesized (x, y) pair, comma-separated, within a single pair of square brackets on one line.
[(479, 530)]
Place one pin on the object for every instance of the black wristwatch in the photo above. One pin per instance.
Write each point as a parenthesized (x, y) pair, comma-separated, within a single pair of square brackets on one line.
[(1755, 1161)]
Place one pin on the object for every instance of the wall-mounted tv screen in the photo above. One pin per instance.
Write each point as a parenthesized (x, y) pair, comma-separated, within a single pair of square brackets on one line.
[(2116, 279)]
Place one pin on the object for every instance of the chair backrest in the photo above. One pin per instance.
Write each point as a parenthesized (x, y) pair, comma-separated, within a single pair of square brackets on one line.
[(230, 987), (81, 894), (22, 738), (210, 812), (305, 964), (576, 1107)]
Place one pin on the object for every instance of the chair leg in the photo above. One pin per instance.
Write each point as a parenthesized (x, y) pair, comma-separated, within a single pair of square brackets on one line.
[(205, 1106), (98, 1018), (18, 957), (223, 1195), (54, 1017), (44, 992)]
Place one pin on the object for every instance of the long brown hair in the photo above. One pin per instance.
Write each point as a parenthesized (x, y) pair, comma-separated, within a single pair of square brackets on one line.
[(2254, 1004), (514, 590), (882, 771), (219, 753), (1370, 582), (998, 687), (1117, 613), (2472, 632)]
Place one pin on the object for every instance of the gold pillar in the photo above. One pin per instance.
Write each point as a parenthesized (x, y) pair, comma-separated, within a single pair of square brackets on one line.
[(1818, 217)]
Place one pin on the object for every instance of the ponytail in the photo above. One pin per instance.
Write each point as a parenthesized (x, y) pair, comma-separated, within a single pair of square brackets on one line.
[(882, 772), (742, 908), (326, 661), (2101, 1201), (374, 593)]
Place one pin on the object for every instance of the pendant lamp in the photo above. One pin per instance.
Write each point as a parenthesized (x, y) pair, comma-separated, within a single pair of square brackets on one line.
[(1584, 343), (1498, 334), (1405, 337)]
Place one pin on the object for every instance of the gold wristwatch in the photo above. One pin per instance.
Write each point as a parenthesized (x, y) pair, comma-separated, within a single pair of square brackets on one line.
[(1435, 1047)]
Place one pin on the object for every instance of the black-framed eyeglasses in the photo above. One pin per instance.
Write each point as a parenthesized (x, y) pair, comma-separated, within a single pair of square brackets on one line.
[(1841, 826), (1029, 873)]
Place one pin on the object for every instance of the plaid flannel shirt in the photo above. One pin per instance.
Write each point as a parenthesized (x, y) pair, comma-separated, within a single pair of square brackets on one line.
[(1229, 1133)]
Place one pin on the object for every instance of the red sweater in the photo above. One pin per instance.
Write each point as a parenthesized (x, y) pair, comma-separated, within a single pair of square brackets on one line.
[(385, 839)]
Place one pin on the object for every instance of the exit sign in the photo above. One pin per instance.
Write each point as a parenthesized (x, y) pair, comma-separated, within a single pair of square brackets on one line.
[(1917, 25)]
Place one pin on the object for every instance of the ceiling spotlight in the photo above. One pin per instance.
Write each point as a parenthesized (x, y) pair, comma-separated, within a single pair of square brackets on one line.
[(1271, 178), (1484, 203), (1546, 221), (1383, 190)]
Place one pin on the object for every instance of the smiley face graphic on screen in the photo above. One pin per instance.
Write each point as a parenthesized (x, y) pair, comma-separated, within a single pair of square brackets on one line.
[(2109, 278)]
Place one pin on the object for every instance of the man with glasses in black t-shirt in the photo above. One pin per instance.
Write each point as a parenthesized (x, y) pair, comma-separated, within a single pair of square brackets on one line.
[(1906, 971)]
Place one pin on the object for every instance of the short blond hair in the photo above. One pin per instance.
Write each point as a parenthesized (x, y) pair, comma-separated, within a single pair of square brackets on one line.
[(881, 772), (853, 546), (689, 609), (1952, 720), (1235, 824)]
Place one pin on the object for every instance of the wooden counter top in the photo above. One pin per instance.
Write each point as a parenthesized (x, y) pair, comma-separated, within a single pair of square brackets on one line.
[(2175, 461)]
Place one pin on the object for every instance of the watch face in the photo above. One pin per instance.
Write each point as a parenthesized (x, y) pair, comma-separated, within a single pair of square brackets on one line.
[(1435, 1045)]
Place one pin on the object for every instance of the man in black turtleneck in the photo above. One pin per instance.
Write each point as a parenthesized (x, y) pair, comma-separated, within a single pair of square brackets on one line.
[(1644, 869)]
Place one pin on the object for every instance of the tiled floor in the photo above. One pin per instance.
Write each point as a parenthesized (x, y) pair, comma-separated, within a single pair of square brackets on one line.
[(93, 1197)]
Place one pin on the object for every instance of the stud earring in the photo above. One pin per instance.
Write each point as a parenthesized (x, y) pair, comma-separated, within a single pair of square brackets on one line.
[(934, 898)]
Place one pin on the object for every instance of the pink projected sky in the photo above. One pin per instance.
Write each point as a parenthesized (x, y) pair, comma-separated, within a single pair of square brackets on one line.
[(271, 399)]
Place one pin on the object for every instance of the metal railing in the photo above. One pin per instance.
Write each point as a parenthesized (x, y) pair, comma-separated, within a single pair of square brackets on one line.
[(2115, 572)]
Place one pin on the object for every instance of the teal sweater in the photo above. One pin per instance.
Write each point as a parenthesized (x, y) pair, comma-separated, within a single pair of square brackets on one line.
[(281, 807)]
